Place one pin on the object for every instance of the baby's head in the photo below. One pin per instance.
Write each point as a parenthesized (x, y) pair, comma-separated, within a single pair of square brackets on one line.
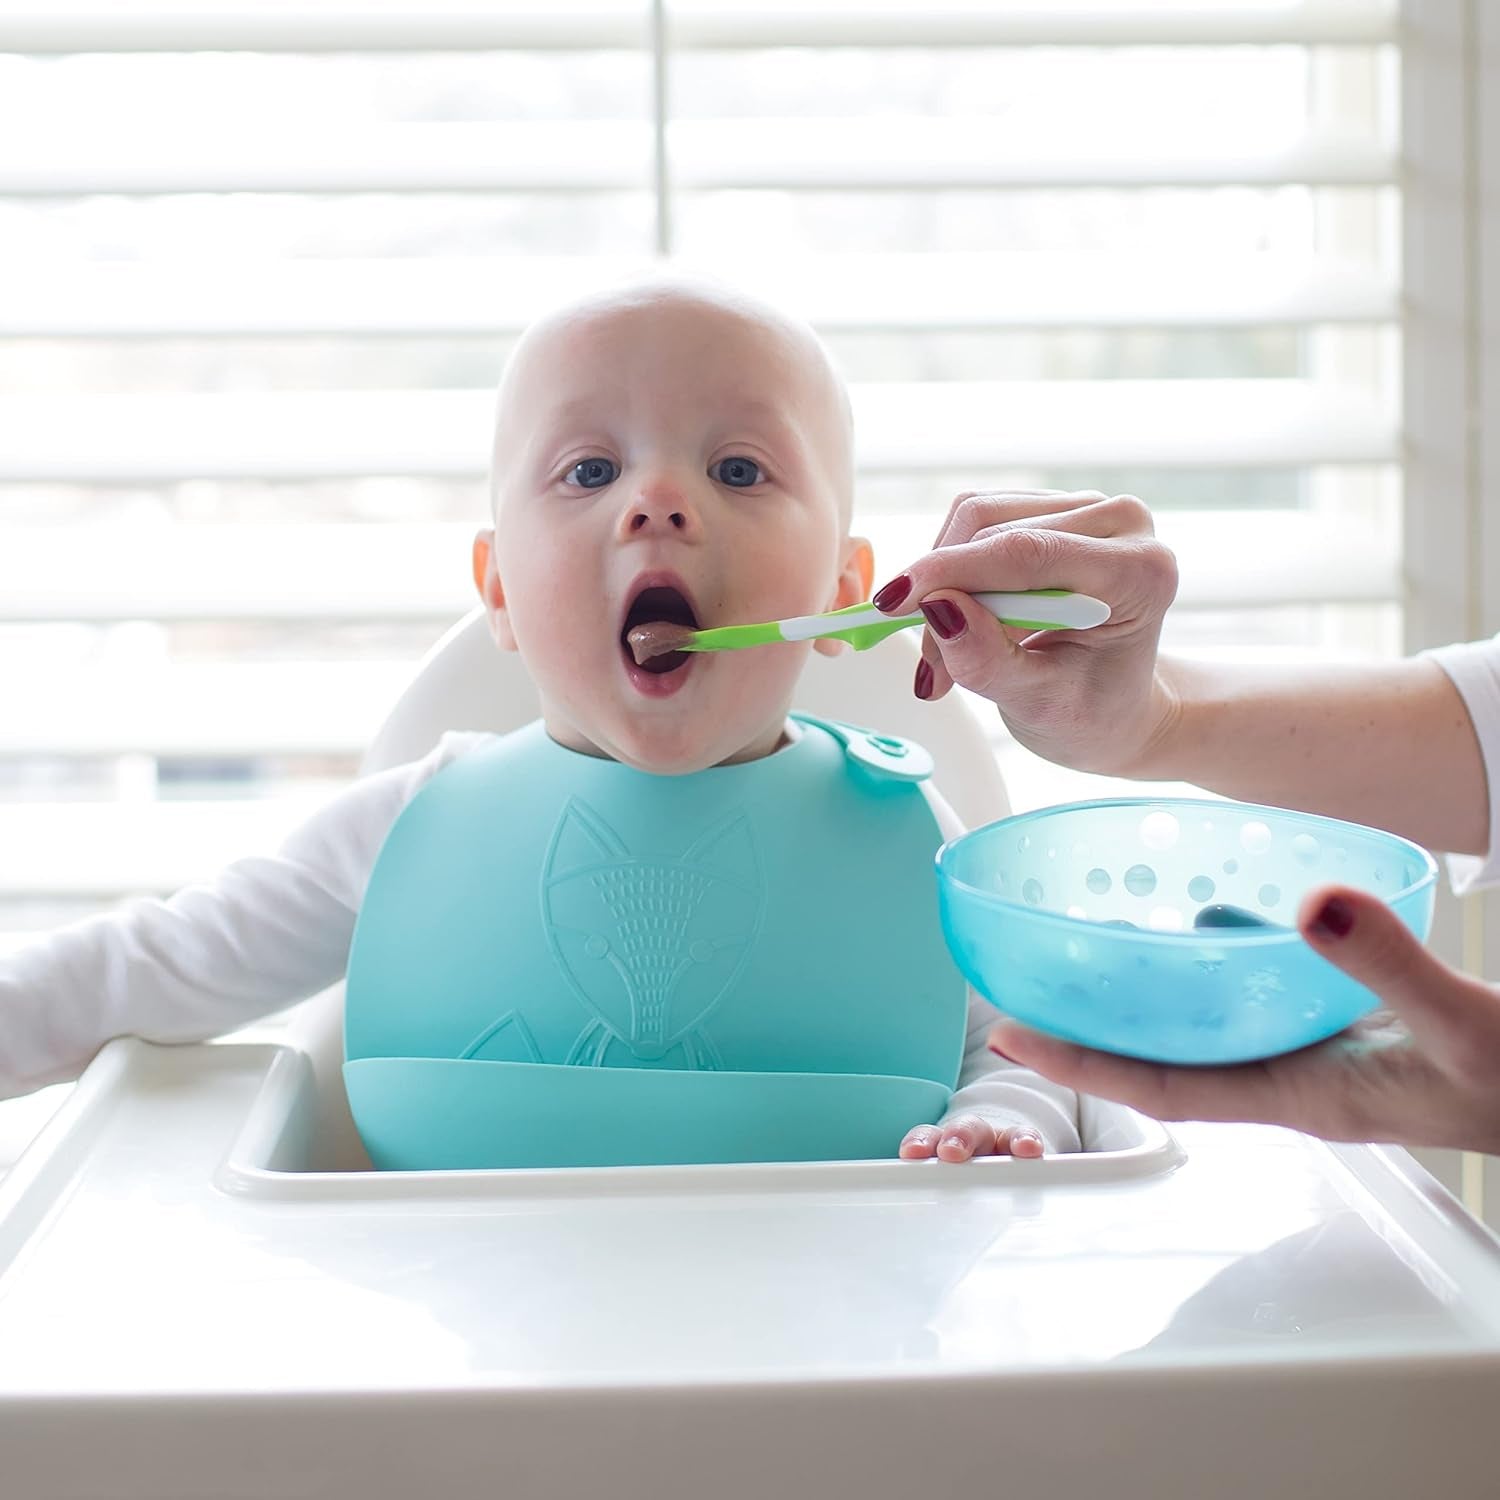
[(670, 450)]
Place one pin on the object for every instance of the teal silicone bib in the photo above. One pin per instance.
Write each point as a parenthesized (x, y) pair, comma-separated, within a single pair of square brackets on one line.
[(561, 960)]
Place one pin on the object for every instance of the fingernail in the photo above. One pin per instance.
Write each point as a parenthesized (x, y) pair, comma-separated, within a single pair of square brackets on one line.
[(922, 683), (946, 618), (998, 1053), (953, 1140), (1335, 920), (893, 593)]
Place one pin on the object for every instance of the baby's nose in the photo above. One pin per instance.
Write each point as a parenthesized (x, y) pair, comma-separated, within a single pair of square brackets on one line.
[(643, 516), (659, 506)]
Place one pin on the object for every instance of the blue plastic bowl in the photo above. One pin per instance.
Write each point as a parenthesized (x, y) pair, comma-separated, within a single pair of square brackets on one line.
[(438, 1113), (1027, 902)]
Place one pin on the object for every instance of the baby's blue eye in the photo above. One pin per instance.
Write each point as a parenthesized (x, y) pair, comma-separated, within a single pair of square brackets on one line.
[(740, 473), (593, 473)]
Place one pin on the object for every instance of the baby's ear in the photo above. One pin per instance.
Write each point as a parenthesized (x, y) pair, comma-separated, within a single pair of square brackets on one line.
[(491, 590), (862, 560), (856, 579)]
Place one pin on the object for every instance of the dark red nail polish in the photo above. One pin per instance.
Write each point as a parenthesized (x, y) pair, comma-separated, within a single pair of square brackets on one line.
[(946, 618), (922, 683), (890, 597), (1334, 920)]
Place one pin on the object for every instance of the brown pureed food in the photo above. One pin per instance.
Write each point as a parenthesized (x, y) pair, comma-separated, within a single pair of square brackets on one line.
[(657, 638)]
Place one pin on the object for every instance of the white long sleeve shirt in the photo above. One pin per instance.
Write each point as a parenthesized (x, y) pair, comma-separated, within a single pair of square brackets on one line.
[(270, 930), (1474, 668)]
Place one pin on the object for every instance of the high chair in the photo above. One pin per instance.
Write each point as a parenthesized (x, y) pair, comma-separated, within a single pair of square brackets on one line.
[(203, 1293)]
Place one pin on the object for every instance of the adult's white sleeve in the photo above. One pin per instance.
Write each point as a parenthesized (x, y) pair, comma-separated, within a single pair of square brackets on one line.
[(264, 932), (1001, 1092), (1474, 668)]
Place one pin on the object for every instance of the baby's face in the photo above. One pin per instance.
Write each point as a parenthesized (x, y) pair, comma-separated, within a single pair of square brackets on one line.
[(666, 455)]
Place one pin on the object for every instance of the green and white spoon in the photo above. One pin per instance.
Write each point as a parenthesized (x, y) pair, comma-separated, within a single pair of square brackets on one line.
[(862, 625)]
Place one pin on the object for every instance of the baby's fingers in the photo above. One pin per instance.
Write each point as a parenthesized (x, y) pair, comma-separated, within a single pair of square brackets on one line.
[(965, 1136), (919, 1143), (1018, 1140), (968, 1136)]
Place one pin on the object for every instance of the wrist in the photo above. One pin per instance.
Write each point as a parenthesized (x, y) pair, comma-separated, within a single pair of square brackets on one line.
[(1158, 751)]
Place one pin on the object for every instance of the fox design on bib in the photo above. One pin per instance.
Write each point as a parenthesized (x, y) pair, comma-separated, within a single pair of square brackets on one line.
[(650, 943)]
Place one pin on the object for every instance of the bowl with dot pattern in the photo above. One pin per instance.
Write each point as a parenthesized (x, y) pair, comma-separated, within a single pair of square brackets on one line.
[(1166, 928)]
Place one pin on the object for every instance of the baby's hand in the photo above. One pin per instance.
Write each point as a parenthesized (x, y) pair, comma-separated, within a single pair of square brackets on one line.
[(968, 1135)]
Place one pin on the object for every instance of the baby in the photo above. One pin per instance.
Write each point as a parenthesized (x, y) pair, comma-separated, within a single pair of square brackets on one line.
[(668, 451)]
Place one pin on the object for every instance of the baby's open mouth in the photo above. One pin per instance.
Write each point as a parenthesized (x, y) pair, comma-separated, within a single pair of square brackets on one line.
[(655, 613)]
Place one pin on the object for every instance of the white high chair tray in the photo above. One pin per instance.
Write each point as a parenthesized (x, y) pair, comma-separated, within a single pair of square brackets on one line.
[(184, 1312)]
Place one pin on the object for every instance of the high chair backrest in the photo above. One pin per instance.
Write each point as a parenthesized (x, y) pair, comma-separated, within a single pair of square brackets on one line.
[(465, 682)]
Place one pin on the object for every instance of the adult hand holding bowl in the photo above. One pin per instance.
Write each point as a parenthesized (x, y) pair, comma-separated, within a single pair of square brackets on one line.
[(1084, 920), (1426, 1072)]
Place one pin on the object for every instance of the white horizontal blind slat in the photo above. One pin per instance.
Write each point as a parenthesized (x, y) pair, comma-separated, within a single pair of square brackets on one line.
[(66, 26), (299, 571), (430, 157), (480, 297), (901, 427), (220, 709), (993, 425), (985, 23), (898, 154), (62, 28), (916, 155)]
